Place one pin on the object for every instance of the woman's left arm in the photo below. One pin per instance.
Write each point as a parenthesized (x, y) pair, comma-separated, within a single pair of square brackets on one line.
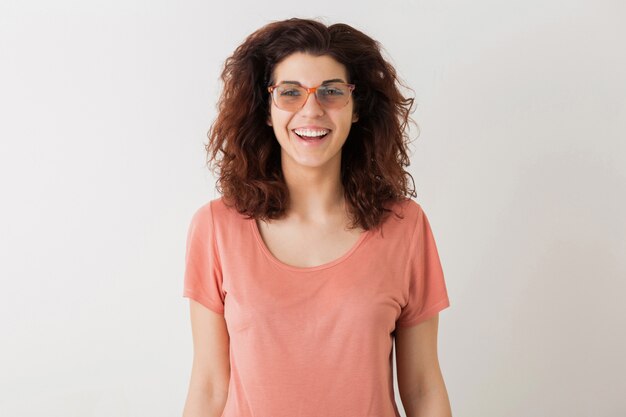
[(421, 386)]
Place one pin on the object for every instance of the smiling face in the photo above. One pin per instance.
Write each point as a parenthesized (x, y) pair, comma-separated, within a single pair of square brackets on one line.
[(311, 71)]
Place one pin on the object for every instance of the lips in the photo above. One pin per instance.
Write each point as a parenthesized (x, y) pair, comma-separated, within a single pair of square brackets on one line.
[(308, 142), (320, 137), (311, 133)]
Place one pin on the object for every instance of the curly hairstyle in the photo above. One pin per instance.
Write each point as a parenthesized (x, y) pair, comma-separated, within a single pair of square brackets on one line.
[(245, 155)]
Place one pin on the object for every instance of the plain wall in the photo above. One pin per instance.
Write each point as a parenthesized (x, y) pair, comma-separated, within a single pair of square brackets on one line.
[(520, 164)]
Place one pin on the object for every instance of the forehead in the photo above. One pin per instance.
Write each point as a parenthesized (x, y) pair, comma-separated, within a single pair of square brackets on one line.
[(309, 70)]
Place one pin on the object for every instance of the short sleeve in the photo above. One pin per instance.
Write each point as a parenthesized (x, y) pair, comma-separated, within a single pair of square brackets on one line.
[(203, 274), (427, 292)]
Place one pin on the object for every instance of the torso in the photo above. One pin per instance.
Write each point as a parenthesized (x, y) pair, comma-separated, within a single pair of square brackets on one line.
[(307, 246)]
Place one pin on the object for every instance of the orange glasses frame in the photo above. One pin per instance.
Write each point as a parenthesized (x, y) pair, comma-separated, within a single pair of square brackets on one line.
[(310, 90)]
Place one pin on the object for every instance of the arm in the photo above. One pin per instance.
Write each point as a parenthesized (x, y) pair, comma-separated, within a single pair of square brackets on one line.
[(210, 374), (420, 383)]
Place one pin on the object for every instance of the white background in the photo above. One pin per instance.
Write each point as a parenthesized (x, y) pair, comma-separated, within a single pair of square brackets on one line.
[(520, 166)]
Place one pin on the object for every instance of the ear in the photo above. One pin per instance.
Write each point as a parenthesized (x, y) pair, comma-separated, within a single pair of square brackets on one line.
[(355, 118), (269, 120)]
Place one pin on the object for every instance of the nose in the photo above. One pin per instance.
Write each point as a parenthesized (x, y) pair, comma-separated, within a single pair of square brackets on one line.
[(312, 106)]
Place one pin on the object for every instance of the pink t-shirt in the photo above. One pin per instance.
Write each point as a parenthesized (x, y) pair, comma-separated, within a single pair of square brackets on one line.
[(313, 341)]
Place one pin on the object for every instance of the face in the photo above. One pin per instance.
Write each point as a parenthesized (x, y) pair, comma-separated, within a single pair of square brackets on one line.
[(311, 71)]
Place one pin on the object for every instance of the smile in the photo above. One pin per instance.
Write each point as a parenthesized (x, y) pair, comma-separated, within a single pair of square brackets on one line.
[(308, 138), (311, 134)]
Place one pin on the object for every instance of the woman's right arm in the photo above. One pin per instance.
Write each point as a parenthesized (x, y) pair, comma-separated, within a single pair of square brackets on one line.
[(210, 373)]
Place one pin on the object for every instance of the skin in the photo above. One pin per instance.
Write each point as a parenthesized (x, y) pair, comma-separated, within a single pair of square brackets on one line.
[(312, 174), (317, 211), (420, 383), (210, 372)]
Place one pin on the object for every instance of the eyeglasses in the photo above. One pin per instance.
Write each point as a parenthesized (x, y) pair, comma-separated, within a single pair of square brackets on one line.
[(291, 97)]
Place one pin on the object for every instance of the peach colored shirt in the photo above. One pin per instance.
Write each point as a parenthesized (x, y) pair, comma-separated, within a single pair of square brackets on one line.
[(313, 341)]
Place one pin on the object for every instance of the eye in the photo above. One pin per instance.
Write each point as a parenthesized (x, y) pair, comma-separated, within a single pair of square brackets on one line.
[(332, 91), (289, 92)]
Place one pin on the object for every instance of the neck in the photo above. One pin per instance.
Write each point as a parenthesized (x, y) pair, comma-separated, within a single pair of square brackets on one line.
[(316, 194)]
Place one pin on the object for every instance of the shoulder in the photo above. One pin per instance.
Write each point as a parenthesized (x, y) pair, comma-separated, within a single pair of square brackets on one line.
[(408, 208), (413, 206), (212, 208), (400, 221), (216, 214)]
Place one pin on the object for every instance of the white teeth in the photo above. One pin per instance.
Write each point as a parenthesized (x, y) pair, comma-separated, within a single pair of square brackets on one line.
[(311, 133)]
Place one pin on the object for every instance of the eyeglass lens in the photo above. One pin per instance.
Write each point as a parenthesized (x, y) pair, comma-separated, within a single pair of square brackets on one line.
[(292, 97)]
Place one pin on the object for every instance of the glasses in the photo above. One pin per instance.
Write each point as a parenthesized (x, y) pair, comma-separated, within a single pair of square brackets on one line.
[(291, 97)]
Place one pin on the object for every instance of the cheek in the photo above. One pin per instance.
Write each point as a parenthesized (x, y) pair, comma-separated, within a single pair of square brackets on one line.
[(345, 121), (280, 121)]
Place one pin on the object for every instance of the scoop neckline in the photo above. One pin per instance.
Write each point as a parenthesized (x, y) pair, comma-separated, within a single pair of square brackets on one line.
[(257, 234)]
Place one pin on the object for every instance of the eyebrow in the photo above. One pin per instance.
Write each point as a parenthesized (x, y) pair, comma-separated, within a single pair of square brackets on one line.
[(334, 80)]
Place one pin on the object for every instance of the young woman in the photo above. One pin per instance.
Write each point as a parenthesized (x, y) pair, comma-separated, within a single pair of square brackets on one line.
[(313, 260)]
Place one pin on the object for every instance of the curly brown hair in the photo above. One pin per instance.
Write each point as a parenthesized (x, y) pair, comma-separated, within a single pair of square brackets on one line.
[(375, 152)]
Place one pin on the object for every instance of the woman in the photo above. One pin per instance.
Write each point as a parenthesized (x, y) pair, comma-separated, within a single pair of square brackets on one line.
[(314, 259)]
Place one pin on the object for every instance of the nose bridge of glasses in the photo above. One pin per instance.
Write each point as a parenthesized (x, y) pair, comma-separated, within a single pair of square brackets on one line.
[(311, 91)]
